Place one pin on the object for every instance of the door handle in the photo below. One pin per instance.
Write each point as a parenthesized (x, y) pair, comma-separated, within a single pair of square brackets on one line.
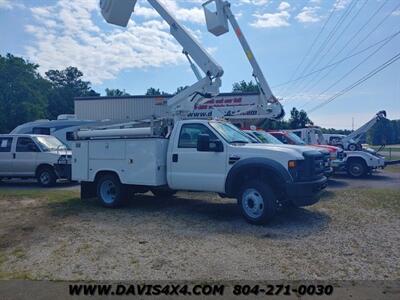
[(175, 158), (14, 156)]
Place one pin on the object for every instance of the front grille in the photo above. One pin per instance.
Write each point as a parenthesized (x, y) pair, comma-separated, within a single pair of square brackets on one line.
[(312, 167), (327, 162)]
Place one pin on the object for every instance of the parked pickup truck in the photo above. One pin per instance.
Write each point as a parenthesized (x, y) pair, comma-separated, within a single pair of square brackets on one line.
[(265, 137), (34, 156), (198, 155)]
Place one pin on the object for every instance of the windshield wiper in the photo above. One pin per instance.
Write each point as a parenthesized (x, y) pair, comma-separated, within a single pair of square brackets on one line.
[(239, 142)]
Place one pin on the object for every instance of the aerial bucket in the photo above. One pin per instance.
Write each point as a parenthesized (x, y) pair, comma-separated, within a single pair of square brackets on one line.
[(117, 12), (217, 23)]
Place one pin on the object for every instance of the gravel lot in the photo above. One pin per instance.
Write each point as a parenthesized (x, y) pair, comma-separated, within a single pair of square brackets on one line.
[(353, 233)]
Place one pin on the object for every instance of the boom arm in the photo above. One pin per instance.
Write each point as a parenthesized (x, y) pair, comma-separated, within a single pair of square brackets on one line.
[(118, 12), (356, 135), (217, 24)]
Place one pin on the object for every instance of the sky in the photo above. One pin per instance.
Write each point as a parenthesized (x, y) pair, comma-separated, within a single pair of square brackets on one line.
[(309, 50)]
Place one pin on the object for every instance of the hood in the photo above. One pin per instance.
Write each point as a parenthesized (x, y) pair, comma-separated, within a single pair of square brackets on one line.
[(271, 151), (61, 152), (301, 149), (331, 149)]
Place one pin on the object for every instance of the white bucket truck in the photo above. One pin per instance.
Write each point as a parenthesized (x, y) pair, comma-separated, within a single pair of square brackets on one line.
[(198, 155), (171, 154)]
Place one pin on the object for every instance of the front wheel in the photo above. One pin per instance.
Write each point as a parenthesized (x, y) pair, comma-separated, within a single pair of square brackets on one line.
[(356, 169), (352, 147), (110, 192), (257, 202), (46, 177)]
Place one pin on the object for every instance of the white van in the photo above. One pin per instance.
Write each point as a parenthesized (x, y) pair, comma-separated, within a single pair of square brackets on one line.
[(34, 156)]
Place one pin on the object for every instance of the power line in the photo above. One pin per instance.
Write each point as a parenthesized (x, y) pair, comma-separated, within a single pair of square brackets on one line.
[(314, 42), (355, 67), (338, 62), (329, 37), (358, 82), (359, 43), (305, 86)]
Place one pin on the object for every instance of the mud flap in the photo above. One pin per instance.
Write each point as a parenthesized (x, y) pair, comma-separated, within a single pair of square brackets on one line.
[(88, 190)]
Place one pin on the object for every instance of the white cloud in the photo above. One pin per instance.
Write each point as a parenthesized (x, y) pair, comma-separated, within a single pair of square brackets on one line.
[(341, 4), (284, 6), (396, 13), (10, 4), (273, 20), (254, 2), (66, 34), (308, 15), (270, 20), (5, 4)]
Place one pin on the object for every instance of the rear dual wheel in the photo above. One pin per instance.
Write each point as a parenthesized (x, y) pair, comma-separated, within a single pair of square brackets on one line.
[(110, 192)]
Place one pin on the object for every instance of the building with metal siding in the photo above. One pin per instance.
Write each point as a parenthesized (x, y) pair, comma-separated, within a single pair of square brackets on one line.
[(131, 108)]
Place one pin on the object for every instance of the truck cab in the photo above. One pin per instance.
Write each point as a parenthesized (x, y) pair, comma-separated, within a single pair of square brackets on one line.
[(203, 156), (34, 156)]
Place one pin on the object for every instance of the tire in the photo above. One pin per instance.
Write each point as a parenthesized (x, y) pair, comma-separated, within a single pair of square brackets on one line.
[(352, 147), (110, 192), (46, 177), (356, 168), (257, 202), (163, 192)]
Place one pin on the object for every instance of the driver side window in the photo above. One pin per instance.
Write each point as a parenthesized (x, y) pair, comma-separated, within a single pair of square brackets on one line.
[(25, 144), (190, 134)]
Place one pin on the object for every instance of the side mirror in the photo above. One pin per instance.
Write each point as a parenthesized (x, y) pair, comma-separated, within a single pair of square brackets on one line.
[(204, 144)]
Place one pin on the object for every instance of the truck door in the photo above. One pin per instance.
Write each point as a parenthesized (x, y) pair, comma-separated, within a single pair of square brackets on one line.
[(194, 170), (6, 157), (25, 155)]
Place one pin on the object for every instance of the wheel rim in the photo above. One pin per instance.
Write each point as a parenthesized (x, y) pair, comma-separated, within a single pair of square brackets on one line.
[(45, 178), (356, 170), (108, 191), (352, 148), (253, 203)]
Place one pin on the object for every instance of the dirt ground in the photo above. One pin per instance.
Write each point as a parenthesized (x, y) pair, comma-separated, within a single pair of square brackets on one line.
[(352, 233)]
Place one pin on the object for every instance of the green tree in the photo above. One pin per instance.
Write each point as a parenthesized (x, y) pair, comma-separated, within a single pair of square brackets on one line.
[(23, 92), (245, 87), (299, 119), (155, 92), (181, 88), (66, 85), (116, 93)]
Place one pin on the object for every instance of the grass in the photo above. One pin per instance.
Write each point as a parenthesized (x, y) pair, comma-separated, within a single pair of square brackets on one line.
[(387, 199), (53, 196), (393, 169)]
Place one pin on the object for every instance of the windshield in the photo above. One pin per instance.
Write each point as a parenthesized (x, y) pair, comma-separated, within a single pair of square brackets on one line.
[(230, 133), (267, 138), (50, 143), (295, 138)]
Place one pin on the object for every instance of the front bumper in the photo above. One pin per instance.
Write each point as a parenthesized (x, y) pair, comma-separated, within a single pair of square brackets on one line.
[(328, 171), (338, 165), (305, 193)]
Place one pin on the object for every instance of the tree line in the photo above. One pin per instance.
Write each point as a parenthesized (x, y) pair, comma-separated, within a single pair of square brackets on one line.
[(26, 95)]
